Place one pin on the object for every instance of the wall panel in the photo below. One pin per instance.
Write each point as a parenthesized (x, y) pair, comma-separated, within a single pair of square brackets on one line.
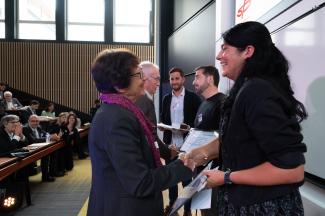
[(57, 71)]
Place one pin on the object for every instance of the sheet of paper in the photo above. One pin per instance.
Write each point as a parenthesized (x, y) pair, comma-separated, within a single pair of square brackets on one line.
[(202, 200), (197, 138), (188, 192)]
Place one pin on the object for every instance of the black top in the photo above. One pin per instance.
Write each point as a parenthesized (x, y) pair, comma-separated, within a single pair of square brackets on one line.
[(259, 130), (209, 112)]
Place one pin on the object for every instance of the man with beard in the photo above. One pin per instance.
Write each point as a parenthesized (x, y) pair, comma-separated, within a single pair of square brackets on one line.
[(208, 116), (179, 106)]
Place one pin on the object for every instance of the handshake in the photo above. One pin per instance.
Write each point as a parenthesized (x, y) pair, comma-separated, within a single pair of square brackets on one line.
[(194, 158)]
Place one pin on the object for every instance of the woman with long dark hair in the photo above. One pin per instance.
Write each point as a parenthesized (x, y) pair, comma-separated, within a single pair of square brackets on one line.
[(261, 149)]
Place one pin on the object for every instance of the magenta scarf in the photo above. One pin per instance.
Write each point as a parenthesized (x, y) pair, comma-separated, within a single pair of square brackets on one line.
[(145, 123)]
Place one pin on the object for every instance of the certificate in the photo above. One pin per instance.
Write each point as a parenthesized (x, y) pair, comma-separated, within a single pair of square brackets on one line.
[(190, 190), (197, 138)]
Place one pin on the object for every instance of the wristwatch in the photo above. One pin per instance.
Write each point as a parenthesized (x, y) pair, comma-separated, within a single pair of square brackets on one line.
[(227, 177)]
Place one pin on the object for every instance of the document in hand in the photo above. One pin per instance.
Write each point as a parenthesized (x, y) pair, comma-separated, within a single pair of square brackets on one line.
[(190, 190), (197, 138), (174, 127)]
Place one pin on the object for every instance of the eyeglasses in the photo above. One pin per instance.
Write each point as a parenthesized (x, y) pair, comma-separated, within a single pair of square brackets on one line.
[(156, 78), (140, 74), (13, 122)]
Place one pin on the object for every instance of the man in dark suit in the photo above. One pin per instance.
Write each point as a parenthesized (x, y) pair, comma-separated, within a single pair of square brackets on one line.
[(11, 135), (35, 134), (10, 103), (178, 107), (29, 110), (145, 102)]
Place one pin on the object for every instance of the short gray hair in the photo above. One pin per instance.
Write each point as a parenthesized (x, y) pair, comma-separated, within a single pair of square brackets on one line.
[(7, 118)]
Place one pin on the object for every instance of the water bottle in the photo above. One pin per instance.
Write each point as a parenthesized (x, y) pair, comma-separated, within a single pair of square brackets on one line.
[(48, 137)]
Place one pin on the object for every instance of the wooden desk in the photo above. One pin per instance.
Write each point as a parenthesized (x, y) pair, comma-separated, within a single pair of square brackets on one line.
[(11, 165)]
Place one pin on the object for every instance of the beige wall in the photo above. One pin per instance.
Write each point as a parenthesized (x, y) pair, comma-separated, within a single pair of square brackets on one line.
[(57, 71)]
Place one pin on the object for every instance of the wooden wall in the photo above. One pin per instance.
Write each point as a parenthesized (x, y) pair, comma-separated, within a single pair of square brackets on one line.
[(58, 72)]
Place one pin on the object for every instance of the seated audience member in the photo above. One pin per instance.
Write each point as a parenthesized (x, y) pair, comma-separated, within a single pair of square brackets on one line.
[(11, 135), (49, 111), (35, 134), (71, 137), (2, 89), (78, 124), (94, 108), (10, 103), (11, 138), (29, 110), (59, 165)]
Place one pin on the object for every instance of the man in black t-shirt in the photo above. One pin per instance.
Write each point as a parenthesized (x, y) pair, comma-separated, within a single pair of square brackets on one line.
[(208, 115), (206, 84)]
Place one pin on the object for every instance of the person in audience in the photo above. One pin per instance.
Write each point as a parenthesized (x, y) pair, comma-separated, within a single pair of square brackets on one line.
[(78, 124), (178, 107), (93, 110), (11, 135), (29, 110), (262, 150), (2, 89), (12, 138), (127, 174), (56, 127), (145, 103), (71, 137), (10, 103), (35, 134), (49, 111)]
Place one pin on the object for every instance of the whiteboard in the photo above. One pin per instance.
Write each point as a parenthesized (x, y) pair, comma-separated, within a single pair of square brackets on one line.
[(303, 43)]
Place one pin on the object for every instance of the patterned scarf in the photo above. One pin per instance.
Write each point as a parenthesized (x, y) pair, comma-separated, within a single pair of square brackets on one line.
[(146, 125)]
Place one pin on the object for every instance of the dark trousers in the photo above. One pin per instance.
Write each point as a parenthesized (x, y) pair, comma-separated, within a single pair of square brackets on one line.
[(45, 166), (173, 192)]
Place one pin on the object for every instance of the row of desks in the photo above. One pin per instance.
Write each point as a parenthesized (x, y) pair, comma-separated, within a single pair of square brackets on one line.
[(9, 165)]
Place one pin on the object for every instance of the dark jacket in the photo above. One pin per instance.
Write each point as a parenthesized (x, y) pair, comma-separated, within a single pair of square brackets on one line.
[(148, 108), (29, 133), (7, 145), (125, 180), (260, 130), (191, 105)]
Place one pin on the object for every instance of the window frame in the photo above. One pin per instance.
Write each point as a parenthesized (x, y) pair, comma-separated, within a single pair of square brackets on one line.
[(11, 24)]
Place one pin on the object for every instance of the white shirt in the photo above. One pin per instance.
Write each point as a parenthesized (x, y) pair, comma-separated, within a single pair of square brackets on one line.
[(177, 117), (148, 95), (10, 105)]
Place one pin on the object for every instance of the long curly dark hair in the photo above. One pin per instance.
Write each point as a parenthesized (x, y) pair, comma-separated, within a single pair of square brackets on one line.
[(267, 63)]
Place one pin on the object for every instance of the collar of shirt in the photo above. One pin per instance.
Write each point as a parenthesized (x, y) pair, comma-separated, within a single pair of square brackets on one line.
[(148, 95), (182, 92)]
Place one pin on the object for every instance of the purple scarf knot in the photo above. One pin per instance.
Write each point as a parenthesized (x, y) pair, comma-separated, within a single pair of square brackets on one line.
[(144, 122)]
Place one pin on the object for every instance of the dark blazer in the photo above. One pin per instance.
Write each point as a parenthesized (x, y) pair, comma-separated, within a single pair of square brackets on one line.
[(191, 105), (148, 108), (15, 101), (29, 133), (7, 145), (125, 180)]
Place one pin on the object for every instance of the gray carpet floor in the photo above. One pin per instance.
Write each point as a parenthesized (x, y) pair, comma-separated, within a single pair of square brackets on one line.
[(65, 196)]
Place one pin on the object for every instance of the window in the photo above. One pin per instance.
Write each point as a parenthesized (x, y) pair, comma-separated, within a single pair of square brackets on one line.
[(36, 19), (132, 21), (86, 20), (2, 19)]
